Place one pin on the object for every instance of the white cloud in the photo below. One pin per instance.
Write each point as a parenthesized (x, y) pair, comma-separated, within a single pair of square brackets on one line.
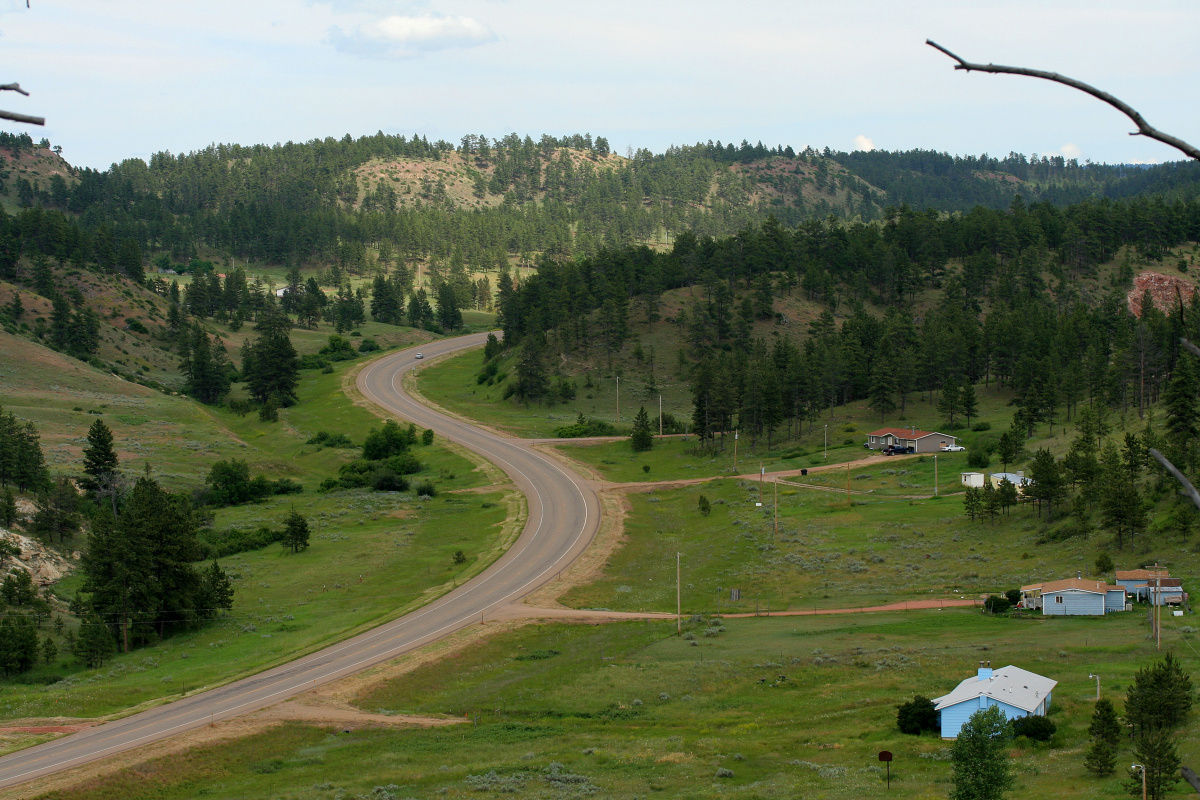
[(1069, 150), (406, 37), (863, 143)]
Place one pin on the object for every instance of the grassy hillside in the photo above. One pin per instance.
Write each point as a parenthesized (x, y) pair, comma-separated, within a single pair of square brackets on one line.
[(373, 555)]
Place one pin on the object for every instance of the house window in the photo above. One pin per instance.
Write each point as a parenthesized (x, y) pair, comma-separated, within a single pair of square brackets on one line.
[(1058, 598)]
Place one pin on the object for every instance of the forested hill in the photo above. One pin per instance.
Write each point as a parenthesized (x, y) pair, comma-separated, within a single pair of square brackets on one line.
[(485, 200)]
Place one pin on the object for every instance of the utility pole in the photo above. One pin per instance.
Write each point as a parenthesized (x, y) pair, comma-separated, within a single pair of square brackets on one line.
[(935, 475), (1157, 611), (660, 416), (735, 440), (775, 530), (826, 441), (678, 599), (762, 473), (618, 398)]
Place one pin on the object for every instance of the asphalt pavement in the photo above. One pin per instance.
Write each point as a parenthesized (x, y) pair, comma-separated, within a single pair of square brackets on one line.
[(564, 514)]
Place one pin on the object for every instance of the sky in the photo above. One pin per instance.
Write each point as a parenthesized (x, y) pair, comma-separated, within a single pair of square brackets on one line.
[(120, 79)]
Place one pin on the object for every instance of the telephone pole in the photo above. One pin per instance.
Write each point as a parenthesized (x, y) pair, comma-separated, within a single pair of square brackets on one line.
[(775, 529), (678, 599)]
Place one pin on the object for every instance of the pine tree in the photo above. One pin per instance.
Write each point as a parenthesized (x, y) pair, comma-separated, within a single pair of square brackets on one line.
[(1101, 758), (8, 508), (1158, 756), (950, 403), (1183, 413), (1160, 697), (99, 459), (973, 503), (883, 390), (968, 403), (295, 531), (94, 644), (641, 439), (272, 369), (1105, 724)]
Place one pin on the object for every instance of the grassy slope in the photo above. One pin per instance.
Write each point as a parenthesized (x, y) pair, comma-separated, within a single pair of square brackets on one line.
[(639, 712), (401, 548)]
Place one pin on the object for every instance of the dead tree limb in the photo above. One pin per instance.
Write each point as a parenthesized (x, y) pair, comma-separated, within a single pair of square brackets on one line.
[(1188, 489), (1191, 778), (1143, 128), (14, 116)]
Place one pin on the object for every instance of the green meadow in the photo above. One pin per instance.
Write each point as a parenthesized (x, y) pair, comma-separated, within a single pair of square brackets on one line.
[(373, 555), (748, 708)]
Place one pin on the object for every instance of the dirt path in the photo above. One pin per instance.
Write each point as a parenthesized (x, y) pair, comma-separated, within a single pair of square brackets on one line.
[(904, 605)]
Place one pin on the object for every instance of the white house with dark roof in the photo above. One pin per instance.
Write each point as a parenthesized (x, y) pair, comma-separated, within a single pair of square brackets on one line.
[(1017, 692)]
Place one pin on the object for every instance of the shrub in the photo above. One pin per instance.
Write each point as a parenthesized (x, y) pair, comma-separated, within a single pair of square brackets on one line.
[(978, 459), (384, 480), (338, 349), (995, 604), (917, 715), (427, 437), (404, 464), (368, 346), (326, 439), (705, 506), (1035, 727), (981, 426), (269, 411), (1014, 596), (311, 361), (426, 489), (585, 426)]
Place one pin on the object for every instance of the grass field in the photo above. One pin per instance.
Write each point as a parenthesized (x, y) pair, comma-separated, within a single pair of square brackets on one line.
[(830, 554), (373, 555), (628, 710)]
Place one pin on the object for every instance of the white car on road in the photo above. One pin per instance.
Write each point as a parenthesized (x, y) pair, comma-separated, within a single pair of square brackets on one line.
[(953, 448)]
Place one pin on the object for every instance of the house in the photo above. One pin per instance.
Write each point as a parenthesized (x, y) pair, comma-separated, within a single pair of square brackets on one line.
[(1017, 692), (972, 480), (1017, 479), (909, 440), (1152, 585), (281, 292), (1073, 597)]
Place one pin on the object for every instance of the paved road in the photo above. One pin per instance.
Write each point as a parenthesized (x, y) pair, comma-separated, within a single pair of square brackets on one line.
[(563, 517)]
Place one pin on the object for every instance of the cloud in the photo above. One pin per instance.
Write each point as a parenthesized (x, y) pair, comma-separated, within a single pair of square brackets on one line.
[(863, 143), (407, 37), (1069, 150)]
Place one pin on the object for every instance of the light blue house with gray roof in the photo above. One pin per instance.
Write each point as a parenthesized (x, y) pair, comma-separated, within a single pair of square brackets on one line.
[(1017, 692)]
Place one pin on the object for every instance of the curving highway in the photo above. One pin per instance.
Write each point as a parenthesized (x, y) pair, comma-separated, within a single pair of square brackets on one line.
[(564, 514)]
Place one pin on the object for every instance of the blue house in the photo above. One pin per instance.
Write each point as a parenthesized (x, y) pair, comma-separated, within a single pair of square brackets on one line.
[(1017, 692), (1073, 597), (1152, 586)]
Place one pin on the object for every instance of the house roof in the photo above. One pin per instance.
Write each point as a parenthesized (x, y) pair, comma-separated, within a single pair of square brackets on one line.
[(1012, 685), (1162, 583), (1075, 584), (1140, 574), (908, 433)]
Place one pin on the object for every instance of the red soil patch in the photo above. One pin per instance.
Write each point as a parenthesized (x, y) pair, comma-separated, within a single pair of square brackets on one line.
[(1166, 291), (48, 728)]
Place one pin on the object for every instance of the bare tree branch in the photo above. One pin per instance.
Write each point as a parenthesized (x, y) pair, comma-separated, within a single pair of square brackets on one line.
[(13, 87), (1188, 489), (1191, 778), (1143, 127), (22, 118)]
